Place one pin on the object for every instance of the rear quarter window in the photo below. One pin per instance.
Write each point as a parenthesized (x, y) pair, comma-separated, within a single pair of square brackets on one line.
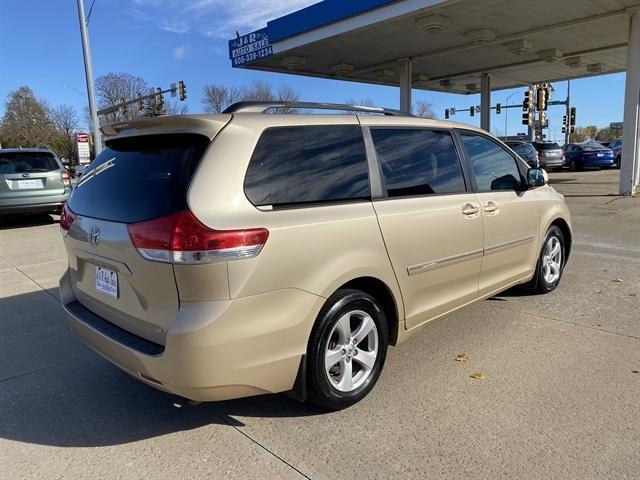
[(307, 165)]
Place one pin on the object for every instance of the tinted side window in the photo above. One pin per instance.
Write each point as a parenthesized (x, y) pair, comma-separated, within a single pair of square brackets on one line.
[(493, 167), (418, 161), (309, 164)]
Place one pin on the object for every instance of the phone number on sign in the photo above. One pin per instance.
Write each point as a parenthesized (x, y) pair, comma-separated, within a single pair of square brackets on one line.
[(252, 56)]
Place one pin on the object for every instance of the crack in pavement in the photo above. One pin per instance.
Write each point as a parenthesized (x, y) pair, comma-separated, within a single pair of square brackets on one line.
[(217, 415)]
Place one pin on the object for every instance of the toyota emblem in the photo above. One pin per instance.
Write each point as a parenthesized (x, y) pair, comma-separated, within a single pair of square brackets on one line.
[(94, 236)]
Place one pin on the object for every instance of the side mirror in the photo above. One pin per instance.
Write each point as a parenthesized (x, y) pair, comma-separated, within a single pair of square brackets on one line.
[(537, 177)]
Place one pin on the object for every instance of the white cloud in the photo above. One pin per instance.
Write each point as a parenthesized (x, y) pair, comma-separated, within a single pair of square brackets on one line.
[(180, 52), (213, 18)]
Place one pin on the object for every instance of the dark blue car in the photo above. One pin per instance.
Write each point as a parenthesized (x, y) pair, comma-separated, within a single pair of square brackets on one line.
[(588, 155)]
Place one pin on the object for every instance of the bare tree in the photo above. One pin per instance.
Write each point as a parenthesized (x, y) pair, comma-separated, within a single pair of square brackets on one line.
[(217, 97), (424, 109), (113, 88), (259, 90), (26, 121), (65, 121)]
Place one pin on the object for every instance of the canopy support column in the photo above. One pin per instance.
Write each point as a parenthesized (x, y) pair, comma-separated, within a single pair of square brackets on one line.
[(630, 166), (485, 102), (405, 84)]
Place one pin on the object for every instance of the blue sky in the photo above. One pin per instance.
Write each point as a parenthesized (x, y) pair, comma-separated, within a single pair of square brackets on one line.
[(165, 41)]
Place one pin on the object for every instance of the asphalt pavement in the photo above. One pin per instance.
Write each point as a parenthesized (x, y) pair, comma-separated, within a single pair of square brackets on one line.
[(560, 396)]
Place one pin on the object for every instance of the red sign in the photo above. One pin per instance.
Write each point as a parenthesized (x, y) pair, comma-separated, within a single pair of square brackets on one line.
[(82, 137)]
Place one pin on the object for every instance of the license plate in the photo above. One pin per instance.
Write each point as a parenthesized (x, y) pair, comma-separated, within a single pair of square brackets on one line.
[(107, 282), (27, 184)]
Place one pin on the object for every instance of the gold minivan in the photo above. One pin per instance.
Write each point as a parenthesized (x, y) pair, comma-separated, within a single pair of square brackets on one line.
[(223, 256)]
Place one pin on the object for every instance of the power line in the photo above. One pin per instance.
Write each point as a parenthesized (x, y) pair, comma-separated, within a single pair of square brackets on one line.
[(90, 10)]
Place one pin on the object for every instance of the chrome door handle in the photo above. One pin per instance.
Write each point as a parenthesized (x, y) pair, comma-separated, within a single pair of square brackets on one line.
[(491, 207), (470, 209)]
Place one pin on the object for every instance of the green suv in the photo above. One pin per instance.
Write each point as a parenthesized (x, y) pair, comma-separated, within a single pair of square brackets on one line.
[(32, 180)]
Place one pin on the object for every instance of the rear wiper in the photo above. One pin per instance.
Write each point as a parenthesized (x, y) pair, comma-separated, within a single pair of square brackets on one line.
[(96, 171)]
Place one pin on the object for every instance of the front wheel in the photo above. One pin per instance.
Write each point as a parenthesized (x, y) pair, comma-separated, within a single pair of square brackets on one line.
[(551, 261), (347, 349)]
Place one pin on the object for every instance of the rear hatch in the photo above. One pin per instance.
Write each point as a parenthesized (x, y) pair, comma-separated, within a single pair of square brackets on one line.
[(28, 175), (549, 151), (135, 179)]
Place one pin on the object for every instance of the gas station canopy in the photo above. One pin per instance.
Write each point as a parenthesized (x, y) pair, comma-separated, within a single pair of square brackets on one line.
[(457, 46)]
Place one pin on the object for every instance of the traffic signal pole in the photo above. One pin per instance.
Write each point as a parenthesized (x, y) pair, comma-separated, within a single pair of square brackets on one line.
[(567, 133), (88, 71)]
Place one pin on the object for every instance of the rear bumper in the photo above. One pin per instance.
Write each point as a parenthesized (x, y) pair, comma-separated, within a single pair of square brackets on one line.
[(40, 204), (214, 350), (551, 162), (598, 162)]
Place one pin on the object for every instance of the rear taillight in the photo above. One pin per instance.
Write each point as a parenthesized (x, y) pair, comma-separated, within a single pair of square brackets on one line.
[(182, 238), (66, 218), (66, 178)]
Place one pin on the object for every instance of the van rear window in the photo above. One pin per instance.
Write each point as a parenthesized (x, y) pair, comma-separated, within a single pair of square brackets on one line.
[(27, 162), (306, 165), (139, 178)]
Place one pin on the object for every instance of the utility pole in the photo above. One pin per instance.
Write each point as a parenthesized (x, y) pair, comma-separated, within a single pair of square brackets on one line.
[(88, 70), (567, 133)]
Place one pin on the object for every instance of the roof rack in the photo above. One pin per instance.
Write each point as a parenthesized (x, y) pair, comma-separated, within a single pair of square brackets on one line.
[(263, 106)]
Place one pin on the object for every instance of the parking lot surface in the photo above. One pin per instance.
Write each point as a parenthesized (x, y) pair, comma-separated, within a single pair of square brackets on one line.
[(560, 397)]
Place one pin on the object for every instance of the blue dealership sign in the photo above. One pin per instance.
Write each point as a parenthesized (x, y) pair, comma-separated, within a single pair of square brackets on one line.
[(249, 48)]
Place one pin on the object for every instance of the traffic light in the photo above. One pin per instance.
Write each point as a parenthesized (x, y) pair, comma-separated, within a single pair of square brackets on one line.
[(498, 108), (182, 90), (527, 119), (572, 129), (542, 98), (472, 111), (564, 129), (564, 120), (446, 114), (572, 117), (159, 101), (527, 104)]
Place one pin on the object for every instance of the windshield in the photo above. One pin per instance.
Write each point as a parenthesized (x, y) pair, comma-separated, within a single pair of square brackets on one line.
[(139, 178), (27, 162)]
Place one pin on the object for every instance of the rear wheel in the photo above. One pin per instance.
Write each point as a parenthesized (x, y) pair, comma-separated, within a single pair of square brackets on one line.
[(573, 166), (618, 158), (550, 262), (347, 349)]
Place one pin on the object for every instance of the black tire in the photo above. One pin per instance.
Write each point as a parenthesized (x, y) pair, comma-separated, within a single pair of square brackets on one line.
[(322, 390), (573, 166), (539, 282), (618, 158)]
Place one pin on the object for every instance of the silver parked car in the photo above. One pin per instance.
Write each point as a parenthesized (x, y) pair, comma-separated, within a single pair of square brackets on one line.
[(32, 180), (550, 155)]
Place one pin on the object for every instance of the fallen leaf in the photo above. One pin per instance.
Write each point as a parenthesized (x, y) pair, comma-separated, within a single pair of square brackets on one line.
[(463, 357), (478, 375), (617, 280)]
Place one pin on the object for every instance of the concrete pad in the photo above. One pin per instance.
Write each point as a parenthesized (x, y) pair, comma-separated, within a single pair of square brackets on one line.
[(85, 419), (558, 401), (33, 334)]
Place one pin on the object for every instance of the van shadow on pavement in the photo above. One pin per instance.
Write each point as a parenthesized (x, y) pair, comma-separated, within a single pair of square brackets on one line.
[(21, 221), (69, 396)]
